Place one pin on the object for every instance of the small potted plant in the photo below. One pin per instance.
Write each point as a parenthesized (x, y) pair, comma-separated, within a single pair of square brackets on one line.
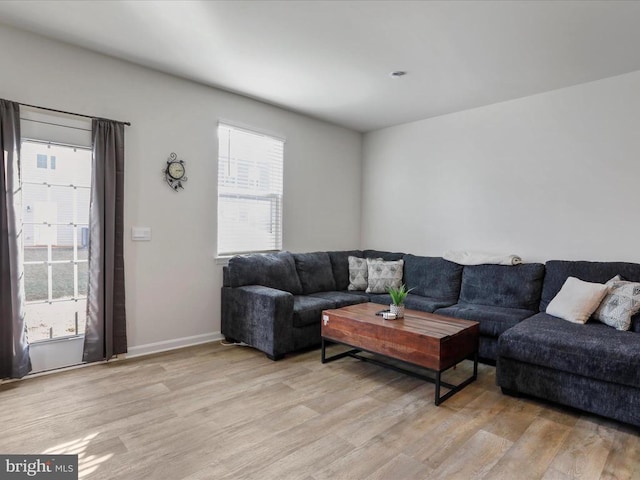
[(398, 295)]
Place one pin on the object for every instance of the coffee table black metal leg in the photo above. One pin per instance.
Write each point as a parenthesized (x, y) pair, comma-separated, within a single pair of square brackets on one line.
[(437, 379), (453, 389), (325, 359), (475, 366)]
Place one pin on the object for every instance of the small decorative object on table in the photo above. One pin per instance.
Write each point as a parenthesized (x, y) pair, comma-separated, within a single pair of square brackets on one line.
[(398, 295)]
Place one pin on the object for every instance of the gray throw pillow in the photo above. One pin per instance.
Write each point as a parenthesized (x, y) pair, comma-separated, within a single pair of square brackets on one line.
[(383, 275), (357, 273), (620, 304)]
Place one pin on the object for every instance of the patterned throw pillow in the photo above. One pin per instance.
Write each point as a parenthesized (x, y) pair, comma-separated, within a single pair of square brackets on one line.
[(621, 303), (357, 273), (384, 275)]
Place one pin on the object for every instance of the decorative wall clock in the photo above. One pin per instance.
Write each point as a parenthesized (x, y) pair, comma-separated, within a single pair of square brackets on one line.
[(174, 173)]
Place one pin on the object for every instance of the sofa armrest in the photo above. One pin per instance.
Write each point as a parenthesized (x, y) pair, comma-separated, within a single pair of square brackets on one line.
[(261, 317)]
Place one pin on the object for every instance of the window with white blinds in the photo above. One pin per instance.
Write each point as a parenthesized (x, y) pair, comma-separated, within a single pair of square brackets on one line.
[(249, 191)]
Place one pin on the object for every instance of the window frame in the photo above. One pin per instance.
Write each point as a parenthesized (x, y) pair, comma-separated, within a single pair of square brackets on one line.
[(75, 224), (275, 199)]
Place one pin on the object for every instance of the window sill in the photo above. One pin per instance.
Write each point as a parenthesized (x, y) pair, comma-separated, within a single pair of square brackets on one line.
[(224, 261)]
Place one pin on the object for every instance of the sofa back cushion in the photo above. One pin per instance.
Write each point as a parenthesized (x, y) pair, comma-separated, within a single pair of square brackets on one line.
[(433, 277), (315, 272), (389, 256), (517, 286), (274, 270), (599, 272), (340, 266)]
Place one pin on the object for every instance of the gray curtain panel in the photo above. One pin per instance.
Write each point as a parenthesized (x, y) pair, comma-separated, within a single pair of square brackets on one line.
[(106, 330), (14, 349)]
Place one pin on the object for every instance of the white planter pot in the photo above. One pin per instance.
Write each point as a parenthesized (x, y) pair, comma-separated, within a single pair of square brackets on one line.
[(397, 309)]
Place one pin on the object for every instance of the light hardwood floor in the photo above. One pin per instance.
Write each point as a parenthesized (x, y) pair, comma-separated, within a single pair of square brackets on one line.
[(214, 412)]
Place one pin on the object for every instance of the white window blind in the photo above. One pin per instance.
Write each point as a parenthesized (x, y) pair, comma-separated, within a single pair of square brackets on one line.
[(249, 191)]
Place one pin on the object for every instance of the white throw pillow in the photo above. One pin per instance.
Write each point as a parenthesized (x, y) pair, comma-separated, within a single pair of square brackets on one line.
[(383, 275), (577, 300), (620, 304)]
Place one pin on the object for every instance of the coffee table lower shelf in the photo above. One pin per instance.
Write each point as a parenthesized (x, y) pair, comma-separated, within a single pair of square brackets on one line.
[(437, 379)]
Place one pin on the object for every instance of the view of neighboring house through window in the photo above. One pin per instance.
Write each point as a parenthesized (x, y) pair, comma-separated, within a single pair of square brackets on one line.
[(250, 166), (56, 183), (42, 161)]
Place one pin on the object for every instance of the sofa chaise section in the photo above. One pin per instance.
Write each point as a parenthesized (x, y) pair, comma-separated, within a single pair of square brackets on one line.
[(593, 367)]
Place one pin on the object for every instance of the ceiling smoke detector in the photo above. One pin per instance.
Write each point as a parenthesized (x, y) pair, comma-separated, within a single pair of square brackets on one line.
[(397, 74)]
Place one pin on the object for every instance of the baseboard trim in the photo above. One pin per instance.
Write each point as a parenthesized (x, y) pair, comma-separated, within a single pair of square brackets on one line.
[(173, 344), (139, 351)]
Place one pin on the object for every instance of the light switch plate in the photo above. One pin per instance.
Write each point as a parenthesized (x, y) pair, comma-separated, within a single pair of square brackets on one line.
[(141, 234)]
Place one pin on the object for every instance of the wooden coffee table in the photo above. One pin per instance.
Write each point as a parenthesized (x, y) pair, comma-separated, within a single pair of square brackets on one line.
[(430, 341)]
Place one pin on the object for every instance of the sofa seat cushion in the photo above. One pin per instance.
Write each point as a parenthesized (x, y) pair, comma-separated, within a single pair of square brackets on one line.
[(593, 350), (412, 302), (517, 286), (307, 310), (425, 304), (493, 320), (380, 298), (315, 272), (342, 299), (433, 277)]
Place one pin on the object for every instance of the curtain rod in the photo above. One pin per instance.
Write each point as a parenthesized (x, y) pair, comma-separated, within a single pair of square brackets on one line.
[(71, 113)]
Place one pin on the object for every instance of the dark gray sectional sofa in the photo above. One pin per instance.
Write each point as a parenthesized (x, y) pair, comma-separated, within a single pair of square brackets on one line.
[(273, 302)]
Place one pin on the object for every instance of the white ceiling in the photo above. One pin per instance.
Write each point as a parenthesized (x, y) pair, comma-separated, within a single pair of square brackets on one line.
[(331, 59)]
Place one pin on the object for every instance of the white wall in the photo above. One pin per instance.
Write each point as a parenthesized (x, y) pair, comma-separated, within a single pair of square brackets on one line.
[(554, 175), (173, 282)]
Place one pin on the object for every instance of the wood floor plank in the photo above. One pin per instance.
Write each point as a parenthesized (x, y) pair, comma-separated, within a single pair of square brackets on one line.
[(214, 412), (448, 435), (623, 462), (378, 420), (302, 461), (401, 466), (360, 462), (283, 442), (474, 458), (541, 441), (514, 420), (584, 452)]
